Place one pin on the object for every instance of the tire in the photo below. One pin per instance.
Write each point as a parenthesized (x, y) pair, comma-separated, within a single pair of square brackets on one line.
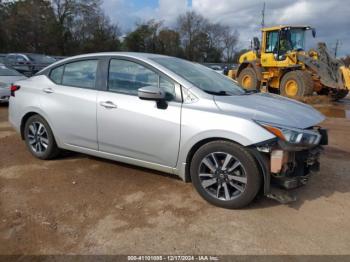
[(39, 138), (340, 94), (323, 92), (245, 177), (248, 79), (297, 84)]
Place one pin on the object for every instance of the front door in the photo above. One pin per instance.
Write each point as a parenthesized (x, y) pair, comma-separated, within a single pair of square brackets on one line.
[(135, 128)]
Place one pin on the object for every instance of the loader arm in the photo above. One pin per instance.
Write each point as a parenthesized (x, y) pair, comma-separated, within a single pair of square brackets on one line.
[(327, 68)]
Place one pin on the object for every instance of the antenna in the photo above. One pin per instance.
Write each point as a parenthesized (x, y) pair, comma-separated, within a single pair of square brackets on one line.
[(263, 16)]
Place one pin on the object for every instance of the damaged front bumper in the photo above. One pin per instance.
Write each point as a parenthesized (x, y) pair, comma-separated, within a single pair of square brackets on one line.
[(286, 167)]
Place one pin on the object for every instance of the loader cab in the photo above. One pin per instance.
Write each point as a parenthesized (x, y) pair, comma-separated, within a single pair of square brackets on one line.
[(280, 42)]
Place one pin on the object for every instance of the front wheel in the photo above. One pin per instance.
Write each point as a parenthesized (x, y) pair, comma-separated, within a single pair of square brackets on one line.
[(225, 174), (297, 83), (39, 138), (248, 79)]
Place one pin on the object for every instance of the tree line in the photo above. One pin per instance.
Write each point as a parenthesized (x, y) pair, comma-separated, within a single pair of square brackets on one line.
[(70, 27)]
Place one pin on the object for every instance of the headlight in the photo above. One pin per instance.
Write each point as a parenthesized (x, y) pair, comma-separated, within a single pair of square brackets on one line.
[(294, 136)]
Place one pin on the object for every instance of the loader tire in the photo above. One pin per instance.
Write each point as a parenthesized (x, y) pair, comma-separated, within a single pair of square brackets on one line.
[(297, 83), (340, 94), (248, 79)]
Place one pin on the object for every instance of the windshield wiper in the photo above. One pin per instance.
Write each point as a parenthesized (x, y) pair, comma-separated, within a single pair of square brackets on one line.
[(219, 93), (249, 92)]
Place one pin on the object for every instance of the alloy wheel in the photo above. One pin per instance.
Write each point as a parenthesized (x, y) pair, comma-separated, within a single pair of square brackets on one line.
[(38, 138), (222, 176)]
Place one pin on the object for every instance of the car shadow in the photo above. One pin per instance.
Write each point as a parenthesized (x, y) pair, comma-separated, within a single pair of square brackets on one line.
[(321, 185), (73, 155)]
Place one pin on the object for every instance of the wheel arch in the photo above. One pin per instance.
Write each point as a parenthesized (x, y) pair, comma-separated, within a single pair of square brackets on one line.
[(29, 114), (261, 162), (24, 120)]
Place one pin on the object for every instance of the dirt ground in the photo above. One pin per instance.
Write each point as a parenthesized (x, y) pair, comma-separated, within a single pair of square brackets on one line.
[(79, 204)]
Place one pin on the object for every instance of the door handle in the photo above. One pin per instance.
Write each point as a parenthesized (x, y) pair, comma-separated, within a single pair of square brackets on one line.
[(48, 90), (108, 104)]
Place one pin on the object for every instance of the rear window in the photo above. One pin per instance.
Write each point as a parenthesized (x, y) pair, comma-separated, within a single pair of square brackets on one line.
[(76, 74), (4, 71)]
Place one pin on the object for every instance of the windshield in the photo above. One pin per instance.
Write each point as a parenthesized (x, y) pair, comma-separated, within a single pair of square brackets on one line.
[(4, 71), (202, 77), (297, 37), (42, 59)]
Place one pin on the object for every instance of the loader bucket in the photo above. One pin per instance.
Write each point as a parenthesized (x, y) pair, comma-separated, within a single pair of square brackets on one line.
[(333, 75)]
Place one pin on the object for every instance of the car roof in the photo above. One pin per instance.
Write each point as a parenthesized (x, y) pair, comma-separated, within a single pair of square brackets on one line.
[(145, 57), (274, 28), (129, 54)]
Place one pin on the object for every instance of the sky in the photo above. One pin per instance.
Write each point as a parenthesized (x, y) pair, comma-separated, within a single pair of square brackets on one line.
[(331, 18)]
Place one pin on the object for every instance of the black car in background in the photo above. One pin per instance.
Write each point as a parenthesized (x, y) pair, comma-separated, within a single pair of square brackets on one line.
[(27, 63)]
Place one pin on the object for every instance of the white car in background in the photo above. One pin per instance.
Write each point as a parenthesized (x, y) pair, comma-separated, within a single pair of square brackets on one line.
[(7, 77)]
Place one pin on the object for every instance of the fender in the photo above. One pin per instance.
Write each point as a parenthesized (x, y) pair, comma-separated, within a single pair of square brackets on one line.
[(38, 111)]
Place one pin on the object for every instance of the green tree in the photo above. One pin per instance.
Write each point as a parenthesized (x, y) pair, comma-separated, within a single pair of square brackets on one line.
[(144, 38), (169, 43), (61, 27)]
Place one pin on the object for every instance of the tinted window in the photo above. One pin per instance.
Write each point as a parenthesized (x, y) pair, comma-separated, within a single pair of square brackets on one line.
[(56, 74), (127, 77), (80, 74), (11, 58), (20, 59)]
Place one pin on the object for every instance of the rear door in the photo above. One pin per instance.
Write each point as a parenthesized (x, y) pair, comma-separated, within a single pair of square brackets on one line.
[(135, 128), (70, 102)]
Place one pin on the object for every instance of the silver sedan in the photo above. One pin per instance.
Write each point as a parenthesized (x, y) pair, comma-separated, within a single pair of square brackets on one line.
[(171, 115)]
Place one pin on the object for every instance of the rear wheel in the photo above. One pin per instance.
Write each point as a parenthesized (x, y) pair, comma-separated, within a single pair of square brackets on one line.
[(248, 79), (297, 84), (39, 138), (225, 174)]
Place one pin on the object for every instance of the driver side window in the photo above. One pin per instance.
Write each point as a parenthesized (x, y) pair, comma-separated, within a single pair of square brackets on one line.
[(127, 77), (272, 42)]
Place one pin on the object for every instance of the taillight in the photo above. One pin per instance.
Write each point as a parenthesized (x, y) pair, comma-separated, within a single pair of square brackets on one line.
[(13, 89)]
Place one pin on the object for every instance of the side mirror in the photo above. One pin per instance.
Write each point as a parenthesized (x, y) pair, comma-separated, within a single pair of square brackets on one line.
[(151, 93), (313, 32), (256, 43)]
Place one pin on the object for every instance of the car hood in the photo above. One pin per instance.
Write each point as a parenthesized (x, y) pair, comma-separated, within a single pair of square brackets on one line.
[(270, 108)]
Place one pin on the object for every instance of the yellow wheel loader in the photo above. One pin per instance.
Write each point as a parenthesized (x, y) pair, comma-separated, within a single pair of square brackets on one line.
[(282, 65)]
